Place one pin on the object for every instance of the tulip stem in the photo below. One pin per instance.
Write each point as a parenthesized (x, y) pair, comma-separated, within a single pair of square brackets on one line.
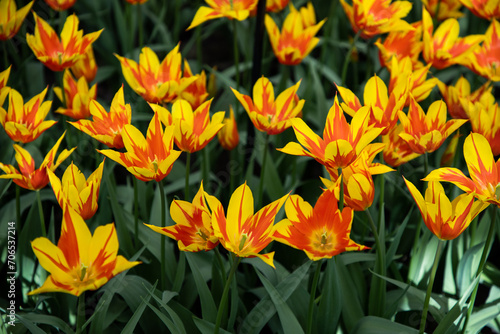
[(80, 313), (236, 55), (429, 286), (482, 262), (223, 300), (162, 250), (186, 184), (380, 268), (136, 211), (341, 196), (262, 171), (221, 264), (348, 57), (258, 41), (140, 24), (40, 210), (312, 296), (18, 204)]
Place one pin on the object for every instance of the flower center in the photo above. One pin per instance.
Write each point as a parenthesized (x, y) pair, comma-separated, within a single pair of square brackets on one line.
[(243, 239), (203, 233)]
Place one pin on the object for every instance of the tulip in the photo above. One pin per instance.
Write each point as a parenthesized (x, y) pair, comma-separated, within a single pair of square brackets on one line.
[(228, 135), (77, 96), (232, 9), (11, 18), (60, 5)]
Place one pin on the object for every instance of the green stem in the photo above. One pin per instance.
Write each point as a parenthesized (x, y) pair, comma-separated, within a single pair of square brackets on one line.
[(80, 313), (262, 170), (380, 246), (312, 297), (348, 57), (482, 263), (221, 264), (236, 55), (223, 300), (205, 169), (18, 204), (140, 24), (136, 212), (341, 196), (40, 210), (186, 178), (429, 286), (162, 250), (426, 164)]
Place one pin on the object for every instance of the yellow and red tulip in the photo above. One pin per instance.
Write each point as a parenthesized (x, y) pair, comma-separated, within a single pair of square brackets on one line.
[(321, 232), (193, 229), (397, 151), (228, 135), (11, 18), (383, 107), (80, 261), (25, 122), (136, 2), (79, 193), (297, 37), (484, 181), (485, 59), (443, 47), (60, 5), (4, 89), (232, 9), (267, 113), (194, 129), (486, 9), (85, 66), (443, 9), (446, 219), (485, 119), (459, 96), (27, 176), (401, 44), (59, 54), (242, 232), (107, 127), (342, 142), (404, 74), (276, 6), (77, 96), (376, 17), (450, 152), (426, 132), (149, 158), (196, 93), (156, 82)]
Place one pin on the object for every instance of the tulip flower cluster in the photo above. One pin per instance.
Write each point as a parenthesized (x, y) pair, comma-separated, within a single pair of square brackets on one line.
[(356, 144)]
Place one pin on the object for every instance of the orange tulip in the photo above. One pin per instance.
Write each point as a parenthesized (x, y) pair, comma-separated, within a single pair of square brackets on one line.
[(136, 2), (193, 229), (276, 6), (485, 119), (79, 193), (321, 232), (59, 54), (296, 39), (196, 93), (107, 127), (484, 181), (85, 66), (443, 9), (25, 122), (27, 176), (156, 82), (341, 143), (383, 107), (268, 114), (443, 48), (228, 135), (11, 18), (447, 220), (242, 232), (60, 5), (77, 96), (376, 17), (401, 44), (397, 151), (486, 9), (485, 59), (193, 129), (149, 158), (426, 132), (80, 261), (232, 9), (457, 97)]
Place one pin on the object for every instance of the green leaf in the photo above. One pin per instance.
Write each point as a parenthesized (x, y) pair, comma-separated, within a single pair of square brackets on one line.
[(330, 304), (376, 325), (208, 307), (207, 327), (134, 320), (256, 319), (50, 320), (483, 316), (289, 322), (352, 311), (391, 252), (467, 267)]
